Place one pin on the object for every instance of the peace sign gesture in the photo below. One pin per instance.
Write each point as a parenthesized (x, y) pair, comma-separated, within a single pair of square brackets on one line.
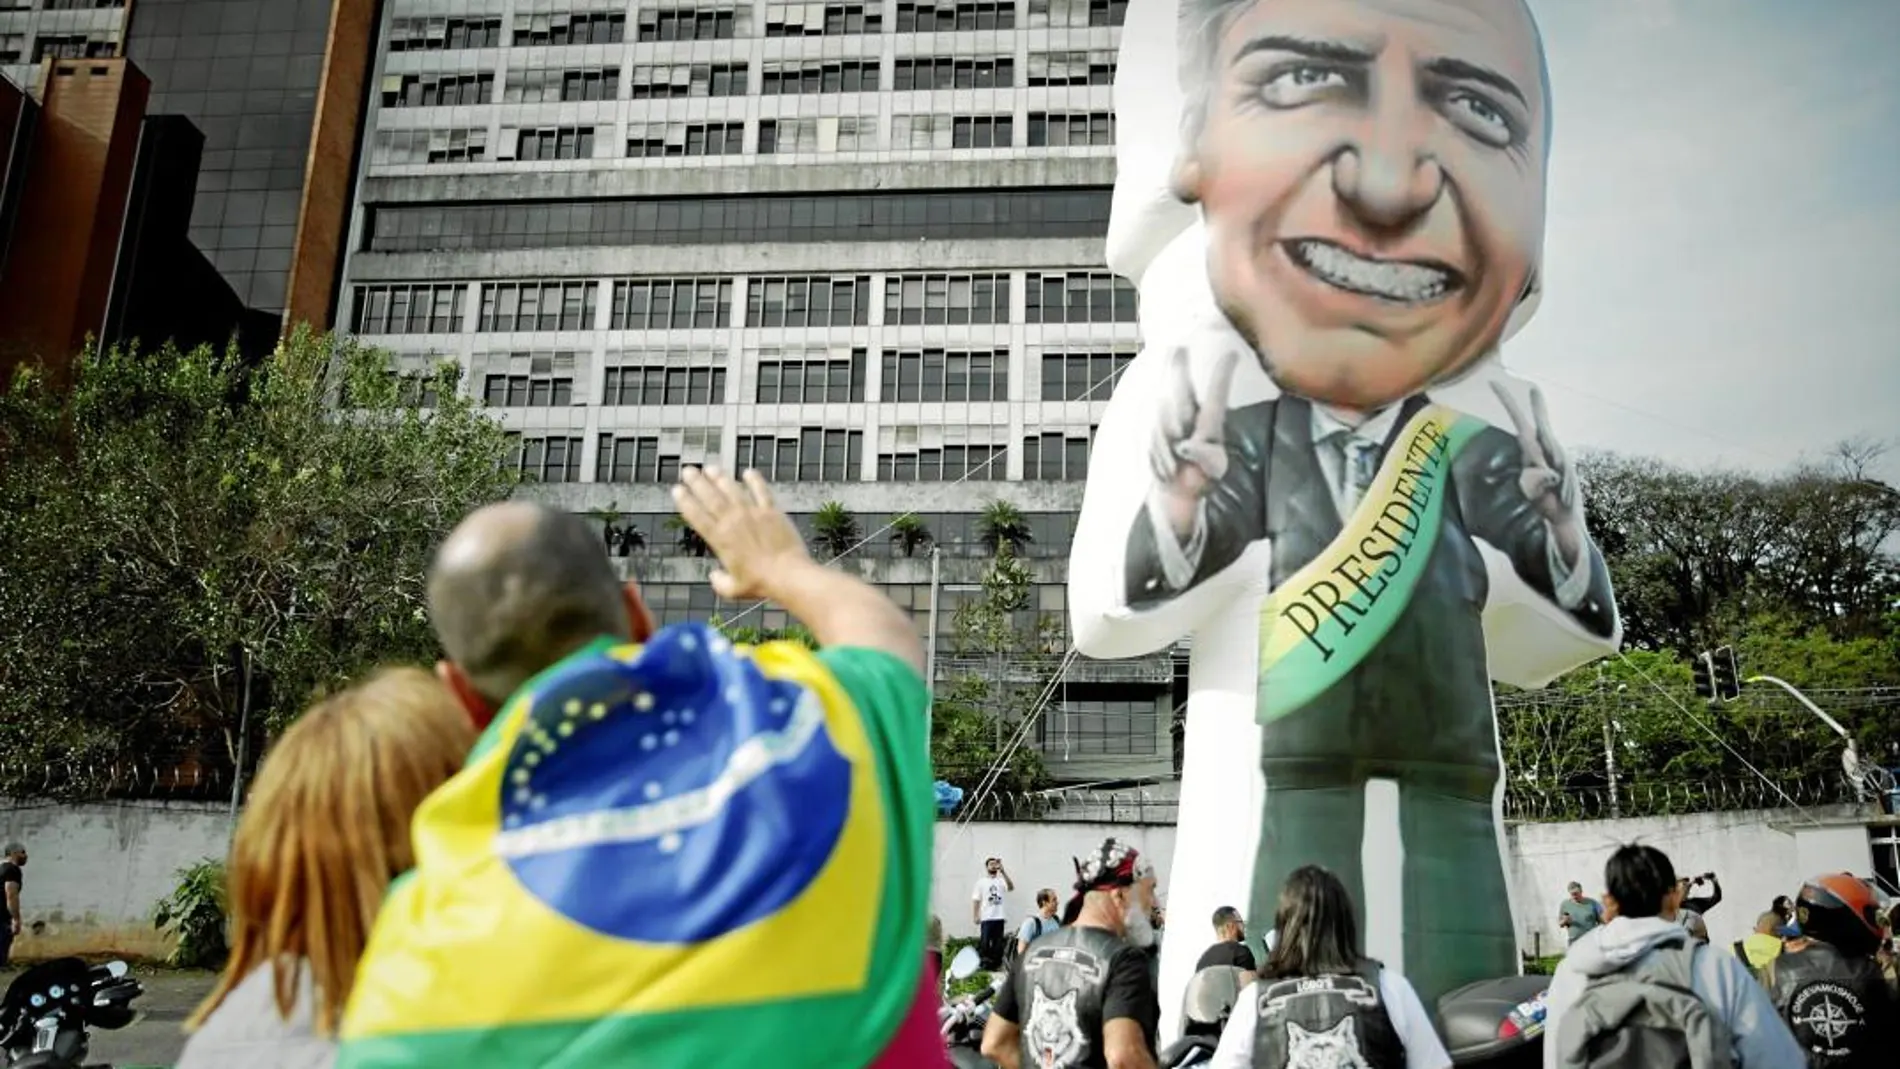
[(1548, 482)]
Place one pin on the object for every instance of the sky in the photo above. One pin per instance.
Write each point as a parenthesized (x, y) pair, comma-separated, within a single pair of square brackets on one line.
[(1722, 257)]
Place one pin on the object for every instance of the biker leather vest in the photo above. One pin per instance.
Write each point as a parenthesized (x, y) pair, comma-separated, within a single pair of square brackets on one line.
[(1317, 1022), (1834, 1004), (1061, 986)]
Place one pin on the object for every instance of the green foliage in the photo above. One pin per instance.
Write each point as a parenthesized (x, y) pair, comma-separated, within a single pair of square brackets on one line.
[(910, 534), (176, 516), (835, 531), (688, 540), (194, 915), (747, 635), (978, 708), (1003, 524)]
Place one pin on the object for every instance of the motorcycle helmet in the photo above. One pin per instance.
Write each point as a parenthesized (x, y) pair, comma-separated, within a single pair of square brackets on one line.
[(1840, 909)]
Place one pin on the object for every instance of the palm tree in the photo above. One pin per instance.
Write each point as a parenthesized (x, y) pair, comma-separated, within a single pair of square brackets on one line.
[(689, 541), (835, 530), (1003, 524), (909, 534)]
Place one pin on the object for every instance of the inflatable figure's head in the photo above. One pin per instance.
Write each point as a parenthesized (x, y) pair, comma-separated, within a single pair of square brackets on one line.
[(1371, 176)]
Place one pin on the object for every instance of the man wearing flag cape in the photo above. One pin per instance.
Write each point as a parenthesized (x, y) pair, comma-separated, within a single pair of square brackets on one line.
[(1335, 507)]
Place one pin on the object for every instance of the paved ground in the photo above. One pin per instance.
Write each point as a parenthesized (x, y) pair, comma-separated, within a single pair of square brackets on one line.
[(155, 1040)]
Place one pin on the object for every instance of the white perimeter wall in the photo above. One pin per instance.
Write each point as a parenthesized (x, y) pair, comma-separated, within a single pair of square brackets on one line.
[(97, 870)]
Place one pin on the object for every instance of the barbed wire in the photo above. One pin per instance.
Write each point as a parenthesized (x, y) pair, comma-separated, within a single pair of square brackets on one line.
[(183, 778)]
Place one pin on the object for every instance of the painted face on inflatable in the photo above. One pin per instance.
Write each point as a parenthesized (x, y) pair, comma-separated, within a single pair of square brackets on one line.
[(1371, 173)]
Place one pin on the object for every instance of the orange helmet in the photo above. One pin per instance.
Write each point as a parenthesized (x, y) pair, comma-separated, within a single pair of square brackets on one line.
[(1840, 909)]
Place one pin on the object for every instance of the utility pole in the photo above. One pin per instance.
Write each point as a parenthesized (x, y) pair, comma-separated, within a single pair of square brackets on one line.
[(1609, 739), (930, 657)]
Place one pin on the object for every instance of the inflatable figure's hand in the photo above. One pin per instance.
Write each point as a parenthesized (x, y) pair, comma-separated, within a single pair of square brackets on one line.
[(1548, 480), (1189, 451)]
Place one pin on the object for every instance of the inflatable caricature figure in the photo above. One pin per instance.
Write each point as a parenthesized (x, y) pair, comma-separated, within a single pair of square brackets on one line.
[(1318, 467)]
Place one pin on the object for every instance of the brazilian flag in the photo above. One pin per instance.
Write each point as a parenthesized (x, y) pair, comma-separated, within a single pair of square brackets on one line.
[(684, 854)]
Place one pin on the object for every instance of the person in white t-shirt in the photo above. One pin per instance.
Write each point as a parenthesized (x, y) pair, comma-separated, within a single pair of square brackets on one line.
[(990, 911), (1318, 997)]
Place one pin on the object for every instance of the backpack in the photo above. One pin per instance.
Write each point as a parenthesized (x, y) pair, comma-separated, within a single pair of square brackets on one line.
[(1043, 926), (1645, 1016)]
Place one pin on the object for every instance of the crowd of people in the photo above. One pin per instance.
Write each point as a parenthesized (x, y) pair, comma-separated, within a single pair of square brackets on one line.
[(365, 859)]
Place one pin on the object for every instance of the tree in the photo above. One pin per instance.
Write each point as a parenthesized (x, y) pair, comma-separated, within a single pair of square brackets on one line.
[(835, 530), (1694, 555), (689, 541), (1003, 524), (186, 538), (910, 534), (1000, 672)]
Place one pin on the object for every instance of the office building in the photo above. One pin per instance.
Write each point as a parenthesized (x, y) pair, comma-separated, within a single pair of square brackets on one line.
[(856, 245)]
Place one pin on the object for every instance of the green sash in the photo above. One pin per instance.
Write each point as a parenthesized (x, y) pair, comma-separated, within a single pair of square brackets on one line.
[(1322, 622)]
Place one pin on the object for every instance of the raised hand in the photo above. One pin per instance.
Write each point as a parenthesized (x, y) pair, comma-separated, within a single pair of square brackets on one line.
[(1547, 481), (1188, 453), (753, 540)]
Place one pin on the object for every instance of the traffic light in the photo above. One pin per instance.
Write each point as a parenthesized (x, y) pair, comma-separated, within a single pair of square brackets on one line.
[(1704, 667), (1728, 682)]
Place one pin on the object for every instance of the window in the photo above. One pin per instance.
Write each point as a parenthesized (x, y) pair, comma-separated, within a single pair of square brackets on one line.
[(1071, 68), (830, 133), (808, 302), (71, 46), (841, 76), (547, 460), (1104, 728), (952, 299), (406, 147), (555, 143), (1057, 130), (672, 304), (797, 19), (528, 391), (810, 381), (408, 308), (654, 458), (745, 219), (948, 462), (951, 131), (810, 454), (12, 47), (422, 34), (1078, 297), (556, 84), (1056, 457), (949, 72), (557, 305), (439, 90), (686, 139), (1082, 376), (416, 389), (664, 384), (695, 80), (944, 17), (1077, 13), (587, 28), (695, 23), (940, 375)]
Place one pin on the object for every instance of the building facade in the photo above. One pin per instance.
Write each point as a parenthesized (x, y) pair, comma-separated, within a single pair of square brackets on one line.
[(855, 245)]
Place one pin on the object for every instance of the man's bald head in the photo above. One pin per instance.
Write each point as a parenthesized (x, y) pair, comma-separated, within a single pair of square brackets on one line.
[(515, 588)]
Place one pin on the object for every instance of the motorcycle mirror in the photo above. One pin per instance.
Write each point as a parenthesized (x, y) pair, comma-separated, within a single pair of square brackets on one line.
[(117, 969), (965, 963)]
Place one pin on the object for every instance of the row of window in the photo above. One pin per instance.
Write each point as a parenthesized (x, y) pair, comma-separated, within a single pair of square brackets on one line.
[(792, 77), (725, 21), (815, 134), (55, 46), (874, 216), (809, 454), (909, 375), (706, 303)]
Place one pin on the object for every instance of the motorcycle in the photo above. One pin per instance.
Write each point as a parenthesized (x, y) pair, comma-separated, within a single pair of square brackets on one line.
[(1209, 1001), (1495, 1024), (49, 1009), (962, 1020)]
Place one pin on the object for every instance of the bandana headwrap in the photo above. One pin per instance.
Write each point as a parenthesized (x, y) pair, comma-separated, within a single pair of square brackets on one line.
[(1113, 864)]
